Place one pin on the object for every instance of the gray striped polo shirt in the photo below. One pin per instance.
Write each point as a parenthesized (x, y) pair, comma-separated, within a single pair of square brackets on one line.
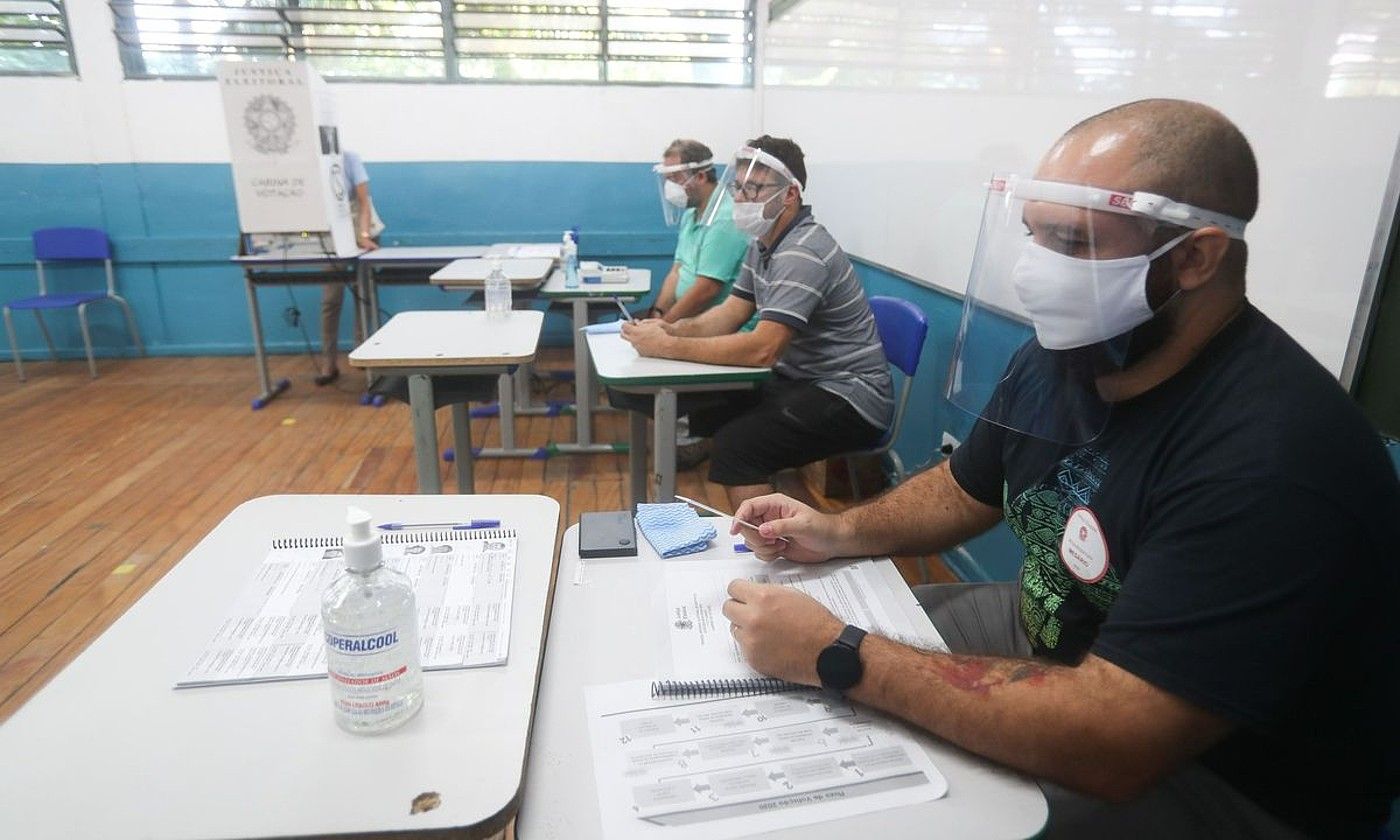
[(806, 282)]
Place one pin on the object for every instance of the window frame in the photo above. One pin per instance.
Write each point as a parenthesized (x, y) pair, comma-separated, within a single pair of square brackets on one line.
[(133, 57)]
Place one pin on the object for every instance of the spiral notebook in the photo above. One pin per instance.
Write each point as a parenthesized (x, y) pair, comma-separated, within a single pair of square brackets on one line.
[(741, 687), (463, 582)]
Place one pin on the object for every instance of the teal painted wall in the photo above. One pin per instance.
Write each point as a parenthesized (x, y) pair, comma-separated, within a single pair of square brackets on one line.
[(173, 227)]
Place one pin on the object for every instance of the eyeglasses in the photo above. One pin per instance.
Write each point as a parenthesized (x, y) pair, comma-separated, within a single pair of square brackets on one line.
[(752, 190)]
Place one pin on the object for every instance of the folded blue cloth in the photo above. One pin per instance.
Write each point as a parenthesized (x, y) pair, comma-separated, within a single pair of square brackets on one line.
[(604, 328), (674, 529)]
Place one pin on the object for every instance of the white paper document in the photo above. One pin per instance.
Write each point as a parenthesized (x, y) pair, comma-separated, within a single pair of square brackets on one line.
[(702, 647), (728, 767), (463, 587)]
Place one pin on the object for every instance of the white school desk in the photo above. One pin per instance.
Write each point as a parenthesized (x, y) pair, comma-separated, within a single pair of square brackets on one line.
[(620, 367), (638, 285), (279, 269), (591, 642), (421, 345), (423, 259), (109, 749), (523, 274)]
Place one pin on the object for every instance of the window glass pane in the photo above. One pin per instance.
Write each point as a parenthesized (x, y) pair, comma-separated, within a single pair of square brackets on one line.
[(34, 38), (651, 41)]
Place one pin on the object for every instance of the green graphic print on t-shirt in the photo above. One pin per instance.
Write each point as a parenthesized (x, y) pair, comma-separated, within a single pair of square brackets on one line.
[(1060, 613)]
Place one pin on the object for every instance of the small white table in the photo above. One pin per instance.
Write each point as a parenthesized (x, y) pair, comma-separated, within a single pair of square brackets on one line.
[(110, 749), (523, 274), (591, 643), (638, 285), (619, 366), (419, 258), (288, 269), (421, 345)]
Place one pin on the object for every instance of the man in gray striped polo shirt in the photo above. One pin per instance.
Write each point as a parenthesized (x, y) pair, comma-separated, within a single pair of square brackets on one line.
[(831, 389)]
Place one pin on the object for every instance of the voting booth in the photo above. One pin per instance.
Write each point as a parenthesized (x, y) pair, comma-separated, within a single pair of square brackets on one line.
[(288, 172)]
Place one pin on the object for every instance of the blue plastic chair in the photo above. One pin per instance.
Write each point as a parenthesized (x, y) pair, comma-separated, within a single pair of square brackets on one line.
[(903, 328), (69, 244)]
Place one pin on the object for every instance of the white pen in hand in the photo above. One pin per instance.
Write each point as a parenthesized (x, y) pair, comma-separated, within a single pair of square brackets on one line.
[(706, 507), (626, 316)]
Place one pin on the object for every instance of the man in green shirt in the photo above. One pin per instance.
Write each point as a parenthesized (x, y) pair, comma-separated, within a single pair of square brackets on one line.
[(707, 256)]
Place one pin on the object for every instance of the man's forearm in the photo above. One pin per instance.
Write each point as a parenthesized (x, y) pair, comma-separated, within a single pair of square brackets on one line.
[(707, 324), (749, 349), (929, 512), (1037, 717)]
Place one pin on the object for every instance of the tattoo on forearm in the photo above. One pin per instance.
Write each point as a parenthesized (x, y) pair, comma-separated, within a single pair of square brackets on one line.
[(980, 674)]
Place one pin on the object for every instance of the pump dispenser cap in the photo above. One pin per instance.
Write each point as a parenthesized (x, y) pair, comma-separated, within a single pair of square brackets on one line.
[(363, 551)]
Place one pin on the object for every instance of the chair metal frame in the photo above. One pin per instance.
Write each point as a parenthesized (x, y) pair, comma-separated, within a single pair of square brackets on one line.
[(68, 245)]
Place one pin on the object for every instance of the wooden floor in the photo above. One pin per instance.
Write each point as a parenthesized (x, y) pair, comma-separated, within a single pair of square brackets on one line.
[(109, 482)]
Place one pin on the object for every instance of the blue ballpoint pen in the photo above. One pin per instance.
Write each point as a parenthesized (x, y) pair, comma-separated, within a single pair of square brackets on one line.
[(453, 526)]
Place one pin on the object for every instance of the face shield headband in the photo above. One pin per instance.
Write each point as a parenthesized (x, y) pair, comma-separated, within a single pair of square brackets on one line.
[(744, 166), (1158, 208), (674, 198)]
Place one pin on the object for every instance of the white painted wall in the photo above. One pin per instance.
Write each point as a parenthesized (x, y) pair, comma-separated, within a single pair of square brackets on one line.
[(897, 171), (103, 118)]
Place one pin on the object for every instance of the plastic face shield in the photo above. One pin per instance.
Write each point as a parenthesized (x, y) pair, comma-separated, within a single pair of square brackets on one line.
[(1057, 287), (681, 174), (753, 175)]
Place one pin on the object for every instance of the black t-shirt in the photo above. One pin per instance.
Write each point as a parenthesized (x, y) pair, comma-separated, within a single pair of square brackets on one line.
[(1232, 537)]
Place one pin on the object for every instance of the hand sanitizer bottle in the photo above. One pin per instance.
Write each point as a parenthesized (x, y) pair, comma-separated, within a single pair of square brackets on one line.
[(371, 626), (568, 255), (497, 291)]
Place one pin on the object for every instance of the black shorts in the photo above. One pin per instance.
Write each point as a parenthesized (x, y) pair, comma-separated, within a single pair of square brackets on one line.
[(783, 423)]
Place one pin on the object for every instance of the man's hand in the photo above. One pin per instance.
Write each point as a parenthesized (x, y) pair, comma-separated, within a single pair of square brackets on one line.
[(366, 243), (812, 537), (780, 630), (649, 337)]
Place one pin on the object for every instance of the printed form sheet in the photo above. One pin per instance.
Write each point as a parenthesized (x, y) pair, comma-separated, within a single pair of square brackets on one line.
[(463, 590), (717, 768), (702, 647)]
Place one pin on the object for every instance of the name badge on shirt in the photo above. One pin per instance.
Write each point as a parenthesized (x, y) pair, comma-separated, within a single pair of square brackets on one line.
[(1083, 549)]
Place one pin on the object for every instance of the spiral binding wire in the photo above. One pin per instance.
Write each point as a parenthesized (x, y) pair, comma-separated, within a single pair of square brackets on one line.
[(693, 689), (399, 538)]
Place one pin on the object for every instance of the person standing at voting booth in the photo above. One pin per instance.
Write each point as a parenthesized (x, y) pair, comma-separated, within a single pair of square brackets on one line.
[(368, 226), (830, 391), (1202, 640)]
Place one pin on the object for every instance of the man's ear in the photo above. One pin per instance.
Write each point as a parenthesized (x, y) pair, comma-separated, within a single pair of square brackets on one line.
[(1197, 260)]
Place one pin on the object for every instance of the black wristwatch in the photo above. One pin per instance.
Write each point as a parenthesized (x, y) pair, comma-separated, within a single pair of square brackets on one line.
[(838, 665)]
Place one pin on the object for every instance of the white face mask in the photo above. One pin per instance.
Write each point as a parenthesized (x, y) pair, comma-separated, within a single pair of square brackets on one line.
[(748, 217), (1076, 302), (675, 194)]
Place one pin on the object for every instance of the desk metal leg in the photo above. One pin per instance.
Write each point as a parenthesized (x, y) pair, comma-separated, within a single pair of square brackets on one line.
[(663, 453), (420, 403), (637, 456), (505, 412), (363, 285), (585, 394), (462, 447), (505, 399), (583, 376), (372, 301), (259, 356)]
